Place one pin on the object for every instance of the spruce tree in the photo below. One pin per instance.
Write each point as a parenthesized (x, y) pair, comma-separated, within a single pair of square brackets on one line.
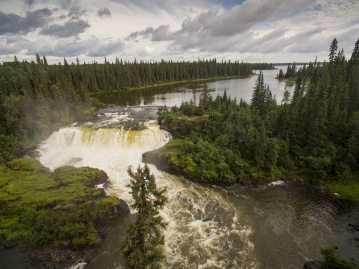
[(141, 245)]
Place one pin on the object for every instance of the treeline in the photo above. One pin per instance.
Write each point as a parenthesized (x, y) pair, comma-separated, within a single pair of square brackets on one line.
[(37, 98), (262, 66), (314, 131), (306, 71)]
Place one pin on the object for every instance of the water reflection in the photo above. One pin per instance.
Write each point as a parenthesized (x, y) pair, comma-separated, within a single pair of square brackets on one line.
[(176, 94)]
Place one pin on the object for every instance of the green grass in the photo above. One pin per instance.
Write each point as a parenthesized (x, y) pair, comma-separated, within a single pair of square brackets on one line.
[(346, 190), (40, 208)]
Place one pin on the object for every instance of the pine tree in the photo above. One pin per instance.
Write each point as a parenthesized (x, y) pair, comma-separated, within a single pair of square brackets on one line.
[(333, 50), (141, 245)]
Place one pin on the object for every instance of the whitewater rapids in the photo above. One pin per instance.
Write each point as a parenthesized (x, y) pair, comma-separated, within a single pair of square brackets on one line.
[(204, 229)]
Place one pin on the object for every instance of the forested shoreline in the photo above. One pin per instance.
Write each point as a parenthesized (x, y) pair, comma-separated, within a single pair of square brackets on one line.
[(314, 133), (37, 98)]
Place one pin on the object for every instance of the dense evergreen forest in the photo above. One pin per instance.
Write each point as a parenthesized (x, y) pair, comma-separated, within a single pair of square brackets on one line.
[(37, 98), (305, 72), (313, 132)]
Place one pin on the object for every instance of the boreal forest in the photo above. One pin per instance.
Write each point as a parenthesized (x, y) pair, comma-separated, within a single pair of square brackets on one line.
[(37, 98), (313, 132), (311, 135)]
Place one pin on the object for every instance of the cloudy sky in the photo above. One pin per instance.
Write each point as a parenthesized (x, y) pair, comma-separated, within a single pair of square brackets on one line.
[(244, 30)]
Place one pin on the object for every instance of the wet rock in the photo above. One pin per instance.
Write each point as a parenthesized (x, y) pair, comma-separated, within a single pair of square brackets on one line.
[(52, 257), (311, 265), (153, 158), (354, 226), (122, 208), (102, 191), (100, 179)]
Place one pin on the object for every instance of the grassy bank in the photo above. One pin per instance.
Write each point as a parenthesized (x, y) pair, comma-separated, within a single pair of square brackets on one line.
[(348, 189), (63, 208)]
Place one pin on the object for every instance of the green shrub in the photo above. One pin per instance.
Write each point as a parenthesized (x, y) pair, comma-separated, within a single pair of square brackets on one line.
[(332, 260)]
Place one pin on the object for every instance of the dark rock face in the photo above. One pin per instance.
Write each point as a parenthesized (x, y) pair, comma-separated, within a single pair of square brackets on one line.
[(100, 179), (311, 265), (52, 257), (122, 208), (152, 158)]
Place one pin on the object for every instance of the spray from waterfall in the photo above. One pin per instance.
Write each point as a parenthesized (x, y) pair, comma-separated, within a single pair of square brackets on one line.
[(204, 228)]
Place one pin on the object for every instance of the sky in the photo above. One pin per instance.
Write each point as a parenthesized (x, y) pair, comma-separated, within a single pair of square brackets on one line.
[(251, 31)]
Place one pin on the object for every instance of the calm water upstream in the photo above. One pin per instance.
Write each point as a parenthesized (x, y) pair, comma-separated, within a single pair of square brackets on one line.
[(171, 95), (276, 225)]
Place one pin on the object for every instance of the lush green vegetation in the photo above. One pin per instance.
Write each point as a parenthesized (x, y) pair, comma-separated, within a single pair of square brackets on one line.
[(37, 98), (141, 245), (332, 260), (62, 208), (313, 133)]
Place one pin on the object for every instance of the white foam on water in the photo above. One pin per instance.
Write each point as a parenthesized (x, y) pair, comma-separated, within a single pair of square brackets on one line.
[(79, 265), (204, 230), (277, 183)]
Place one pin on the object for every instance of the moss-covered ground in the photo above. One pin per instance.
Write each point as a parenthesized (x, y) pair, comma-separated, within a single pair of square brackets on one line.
[(40, 208)]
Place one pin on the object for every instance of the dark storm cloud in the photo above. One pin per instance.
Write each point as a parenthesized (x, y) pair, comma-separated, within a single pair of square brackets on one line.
[(69, 29), (13, 24), (105, 12)]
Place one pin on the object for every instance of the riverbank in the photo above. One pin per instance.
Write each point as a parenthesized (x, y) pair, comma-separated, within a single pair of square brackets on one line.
[(167, 159), (348, 189), (56, 214), (154, 85)]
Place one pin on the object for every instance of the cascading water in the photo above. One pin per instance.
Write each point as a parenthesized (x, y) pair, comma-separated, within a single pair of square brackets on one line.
[(204, 229), (270, 226)]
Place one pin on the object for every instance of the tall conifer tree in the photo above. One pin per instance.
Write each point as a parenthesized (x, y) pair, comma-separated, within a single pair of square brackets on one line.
[(141, 245)]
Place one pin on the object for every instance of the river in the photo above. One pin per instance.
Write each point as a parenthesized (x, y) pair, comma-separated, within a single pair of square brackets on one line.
[(278, 225), (175, 94)]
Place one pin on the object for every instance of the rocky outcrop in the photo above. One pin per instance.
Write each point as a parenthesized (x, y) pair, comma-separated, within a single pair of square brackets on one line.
[(100, 179), (122, 208), (153, 158), (55, 257)]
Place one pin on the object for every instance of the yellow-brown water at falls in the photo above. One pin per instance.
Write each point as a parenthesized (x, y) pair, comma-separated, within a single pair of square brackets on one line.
[(270, 226), (203, 228)]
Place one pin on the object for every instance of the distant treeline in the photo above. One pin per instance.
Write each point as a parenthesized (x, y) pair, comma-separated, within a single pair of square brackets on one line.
[(313, 132), (37, 98), (262, 66)]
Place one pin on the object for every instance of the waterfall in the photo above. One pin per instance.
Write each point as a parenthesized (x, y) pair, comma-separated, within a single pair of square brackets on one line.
[(204, 229)]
